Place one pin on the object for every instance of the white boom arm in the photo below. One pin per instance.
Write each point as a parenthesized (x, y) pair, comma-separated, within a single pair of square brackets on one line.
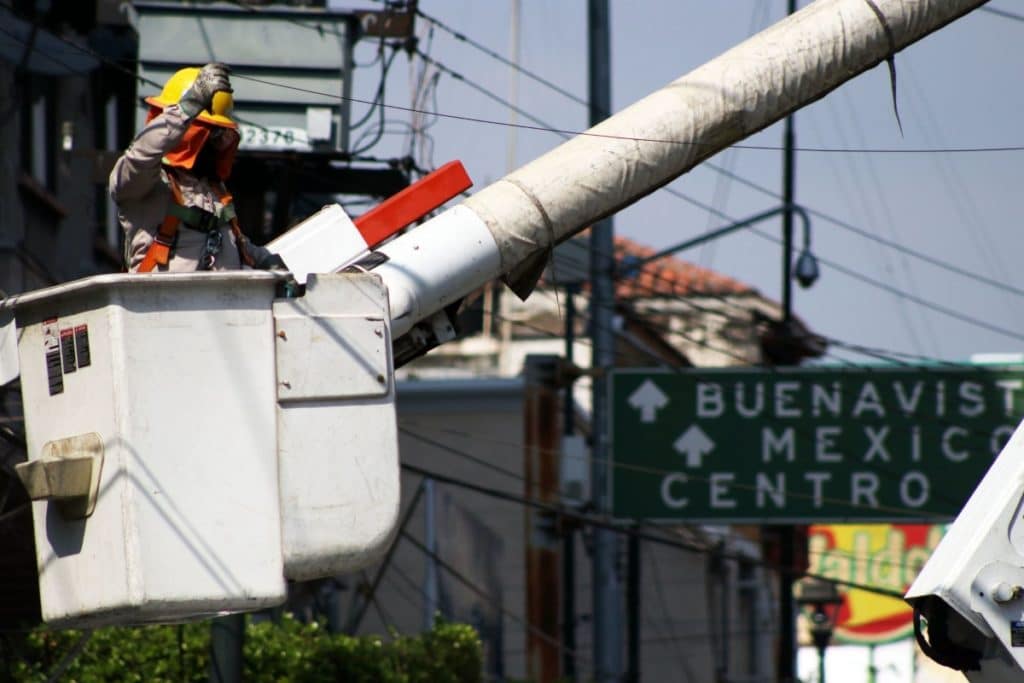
[(507, 228)]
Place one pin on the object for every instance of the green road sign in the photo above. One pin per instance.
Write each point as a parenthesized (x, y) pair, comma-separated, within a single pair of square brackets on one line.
[(807, 444)]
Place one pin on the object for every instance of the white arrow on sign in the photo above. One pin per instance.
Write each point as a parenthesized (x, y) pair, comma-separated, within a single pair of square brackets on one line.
[(648, 399), (694, 444)]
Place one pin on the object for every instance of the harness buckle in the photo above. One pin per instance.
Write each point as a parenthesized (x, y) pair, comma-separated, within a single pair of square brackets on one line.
[(214, 241)]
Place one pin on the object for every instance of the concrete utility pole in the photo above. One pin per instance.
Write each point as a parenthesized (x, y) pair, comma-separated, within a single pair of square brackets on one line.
[(607, 588), (787, 535)]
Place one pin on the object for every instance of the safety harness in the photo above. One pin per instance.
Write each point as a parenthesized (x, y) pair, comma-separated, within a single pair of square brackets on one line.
[(194, 218)]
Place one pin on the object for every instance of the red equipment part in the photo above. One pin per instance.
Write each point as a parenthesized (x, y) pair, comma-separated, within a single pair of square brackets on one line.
[(413, 203)]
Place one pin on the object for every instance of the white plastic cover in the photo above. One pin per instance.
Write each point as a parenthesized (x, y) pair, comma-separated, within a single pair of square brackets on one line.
[(325, 242)]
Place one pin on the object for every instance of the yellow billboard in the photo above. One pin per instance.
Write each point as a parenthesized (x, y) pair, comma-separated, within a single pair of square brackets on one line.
[(887, 556)]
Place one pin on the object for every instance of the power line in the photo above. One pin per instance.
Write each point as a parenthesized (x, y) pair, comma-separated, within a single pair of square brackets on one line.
[(507, 62), (635, 530), (939, 263), (1002, 13), (977, 322), (480, 592), (658, 471), (890, 356), (581, 133), (579, 100), (725, 172), (842, 269)]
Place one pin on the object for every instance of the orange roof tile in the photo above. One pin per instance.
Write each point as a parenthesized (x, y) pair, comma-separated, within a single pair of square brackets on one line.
[(669, 276)]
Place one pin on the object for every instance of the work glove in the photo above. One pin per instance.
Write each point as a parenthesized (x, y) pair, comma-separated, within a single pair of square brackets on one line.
[(287, 288), (212, 79), (271, 262)]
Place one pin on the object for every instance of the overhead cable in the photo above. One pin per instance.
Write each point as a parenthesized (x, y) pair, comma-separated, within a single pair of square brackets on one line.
[(723, 171), (635, 530)]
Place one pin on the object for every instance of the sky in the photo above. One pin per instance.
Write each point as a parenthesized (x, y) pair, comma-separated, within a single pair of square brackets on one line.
[(873, 213)]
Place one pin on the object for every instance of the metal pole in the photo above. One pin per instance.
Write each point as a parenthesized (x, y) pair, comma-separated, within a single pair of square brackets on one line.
[(227, 636), (787, 549), (569, 536), (606, 588), (787, 220), (821, 665), (788, 169), (633, 607), (430, 577)]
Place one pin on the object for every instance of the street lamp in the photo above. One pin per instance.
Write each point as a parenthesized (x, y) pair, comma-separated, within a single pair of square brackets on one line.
[(824, 600), (806, 264)]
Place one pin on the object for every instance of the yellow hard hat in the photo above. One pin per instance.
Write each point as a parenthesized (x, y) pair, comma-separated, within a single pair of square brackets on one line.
[(175, 87)]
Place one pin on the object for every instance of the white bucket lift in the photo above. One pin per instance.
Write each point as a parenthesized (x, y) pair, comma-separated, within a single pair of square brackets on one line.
[(192, 441), (159, 392)]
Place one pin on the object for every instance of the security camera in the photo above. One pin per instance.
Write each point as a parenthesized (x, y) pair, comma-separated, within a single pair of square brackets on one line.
[(968, 599)]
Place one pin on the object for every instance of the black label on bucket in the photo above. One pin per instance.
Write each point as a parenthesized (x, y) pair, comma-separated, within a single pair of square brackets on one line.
[(82, 345), (67, 349), (51, 350)]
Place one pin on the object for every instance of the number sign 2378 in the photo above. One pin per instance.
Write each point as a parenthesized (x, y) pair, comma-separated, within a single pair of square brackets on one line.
[(273, 137)]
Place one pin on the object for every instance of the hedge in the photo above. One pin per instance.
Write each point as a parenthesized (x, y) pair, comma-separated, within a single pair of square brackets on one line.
[(285, 651)]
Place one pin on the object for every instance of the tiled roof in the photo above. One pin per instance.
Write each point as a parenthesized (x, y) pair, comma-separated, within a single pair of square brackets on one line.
[(668, 276)]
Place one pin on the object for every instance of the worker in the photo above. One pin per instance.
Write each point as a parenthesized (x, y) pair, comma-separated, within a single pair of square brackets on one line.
[(169, 184)]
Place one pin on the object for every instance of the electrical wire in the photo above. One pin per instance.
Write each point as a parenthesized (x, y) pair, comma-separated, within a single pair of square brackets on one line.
[(519, 478), (710, 209), (658, 471), (895, 291), (637, 530), (726, 172), (484, 595), (628, 138), (890, 356), (1002, 13), (881, 204), (845, 225), (581, 133)]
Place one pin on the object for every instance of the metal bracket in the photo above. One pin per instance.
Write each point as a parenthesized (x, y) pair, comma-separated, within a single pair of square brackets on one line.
[(68, 473)]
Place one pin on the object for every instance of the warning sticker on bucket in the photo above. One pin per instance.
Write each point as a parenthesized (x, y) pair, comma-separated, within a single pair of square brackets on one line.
[(66, 350), (51, 350), (82, 345)]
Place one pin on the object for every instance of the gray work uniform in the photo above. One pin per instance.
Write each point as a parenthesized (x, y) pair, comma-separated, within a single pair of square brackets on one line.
[(139, 187)]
